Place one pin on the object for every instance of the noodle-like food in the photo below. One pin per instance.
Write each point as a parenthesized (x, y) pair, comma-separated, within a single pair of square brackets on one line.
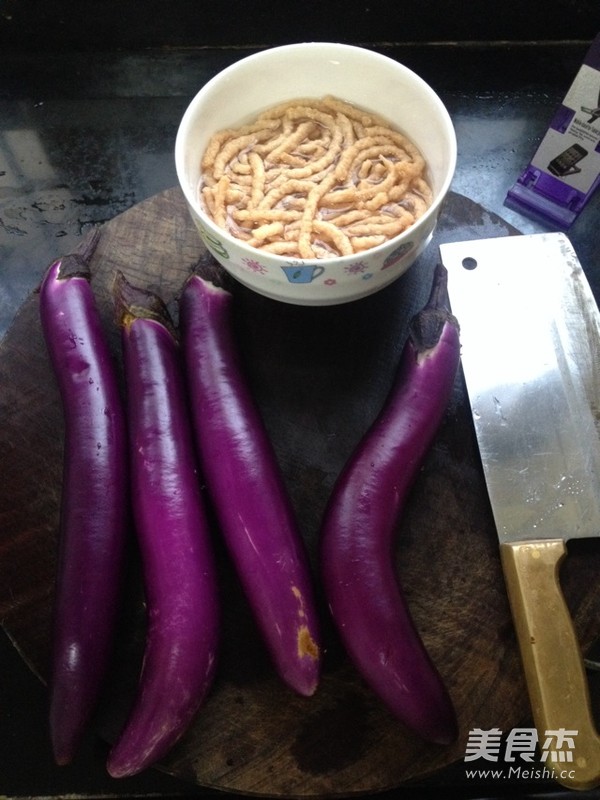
[(314, 179)]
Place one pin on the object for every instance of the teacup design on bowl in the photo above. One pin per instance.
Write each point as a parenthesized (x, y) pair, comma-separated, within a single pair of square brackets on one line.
[(302, 273)]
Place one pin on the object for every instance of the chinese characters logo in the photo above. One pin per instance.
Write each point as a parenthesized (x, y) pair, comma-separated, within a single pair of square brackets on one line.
[(518, 750), (556, 746)]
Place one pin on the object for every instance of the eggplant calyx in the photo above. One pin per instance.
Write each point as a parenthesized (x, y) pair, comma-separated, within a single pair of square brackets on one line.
[(426, 327), (77, 263), (133, 302), (212, 272)]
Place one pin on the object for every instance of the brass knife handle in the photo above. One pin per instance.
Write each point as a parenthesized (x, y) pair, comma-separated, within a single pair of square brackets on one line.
[(552, 661)]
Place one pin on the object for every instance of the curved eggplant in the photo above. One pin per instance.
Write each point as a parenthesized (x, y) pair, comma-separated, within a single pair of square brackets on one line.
[(364, 595), (179, 571)]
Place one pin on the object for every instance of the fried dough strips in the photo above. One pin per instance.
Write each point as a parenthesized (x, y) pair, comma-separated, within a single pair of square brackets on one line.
[(314, 179)]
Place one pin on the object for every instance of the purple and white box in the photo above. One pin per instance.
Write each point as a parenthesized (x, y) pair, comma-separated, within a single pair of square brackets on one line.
[(565, 169)]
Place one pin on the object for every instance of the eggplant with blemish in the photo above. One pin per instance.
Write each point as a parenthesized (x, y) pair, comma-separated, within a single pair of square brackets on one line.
[(246, 486)]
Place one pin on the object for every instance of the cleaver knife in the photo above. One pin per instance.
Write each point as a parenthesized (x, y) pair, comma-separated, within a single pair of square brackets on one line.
[(530, 353)]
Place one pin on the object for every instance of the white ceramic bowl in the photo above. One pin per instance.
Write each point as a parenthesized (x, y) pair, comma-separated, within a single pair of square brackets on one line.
[(360, 76)]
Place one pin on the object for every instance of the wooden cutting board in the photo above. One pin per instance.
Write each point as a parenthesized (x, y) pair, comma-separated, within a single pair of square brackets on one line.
[(319, 376)]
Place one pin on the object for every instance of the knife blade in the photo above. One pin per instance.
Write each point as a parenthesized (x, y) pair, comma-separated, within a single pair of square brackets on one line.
[(530, 337)]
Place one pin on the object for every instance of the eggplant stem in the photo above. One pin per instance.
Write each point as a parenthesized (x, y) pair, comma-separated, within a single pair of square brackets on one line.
[(77, 263), (212, 272), (133, 302), (426, 326)]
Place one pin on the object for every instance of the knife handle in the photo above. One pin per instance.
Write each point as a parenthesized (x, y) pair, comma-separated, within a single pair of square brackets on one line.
[(552, 660)]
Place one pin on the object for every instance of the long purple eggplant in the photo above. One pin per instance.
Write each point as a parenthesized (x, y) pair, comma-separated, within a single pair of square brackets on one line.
[(93, 517), (244, 481), (364, 595), (174, 538)]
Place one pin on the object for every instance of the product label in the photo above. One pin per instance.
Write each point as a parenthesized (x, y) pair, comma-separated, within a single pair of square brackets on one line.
[(565, 168), (573, 154)]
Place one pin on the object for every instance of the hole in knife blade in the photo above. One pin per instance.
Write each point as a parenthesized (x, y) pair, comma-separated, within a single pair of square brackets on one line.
[(469, 262)]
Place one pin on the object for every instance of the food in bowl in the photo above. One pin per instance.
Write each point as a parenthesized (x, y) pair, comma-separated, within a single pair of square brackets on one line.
[(314, 178), (367, 80)]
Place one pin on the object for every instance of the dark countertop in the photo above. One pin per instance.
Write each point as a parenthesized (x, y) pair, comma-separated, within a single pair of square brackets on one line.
[(85, 135)]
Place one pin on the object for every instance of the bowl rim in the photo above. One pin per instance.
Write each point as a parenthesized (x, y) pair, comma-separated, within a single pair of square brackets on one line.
[(270, 52)]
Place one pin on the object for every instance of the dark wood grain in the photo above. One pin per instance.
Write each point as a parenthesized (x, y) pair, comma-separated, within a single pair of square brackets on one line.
[(319, 376)]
